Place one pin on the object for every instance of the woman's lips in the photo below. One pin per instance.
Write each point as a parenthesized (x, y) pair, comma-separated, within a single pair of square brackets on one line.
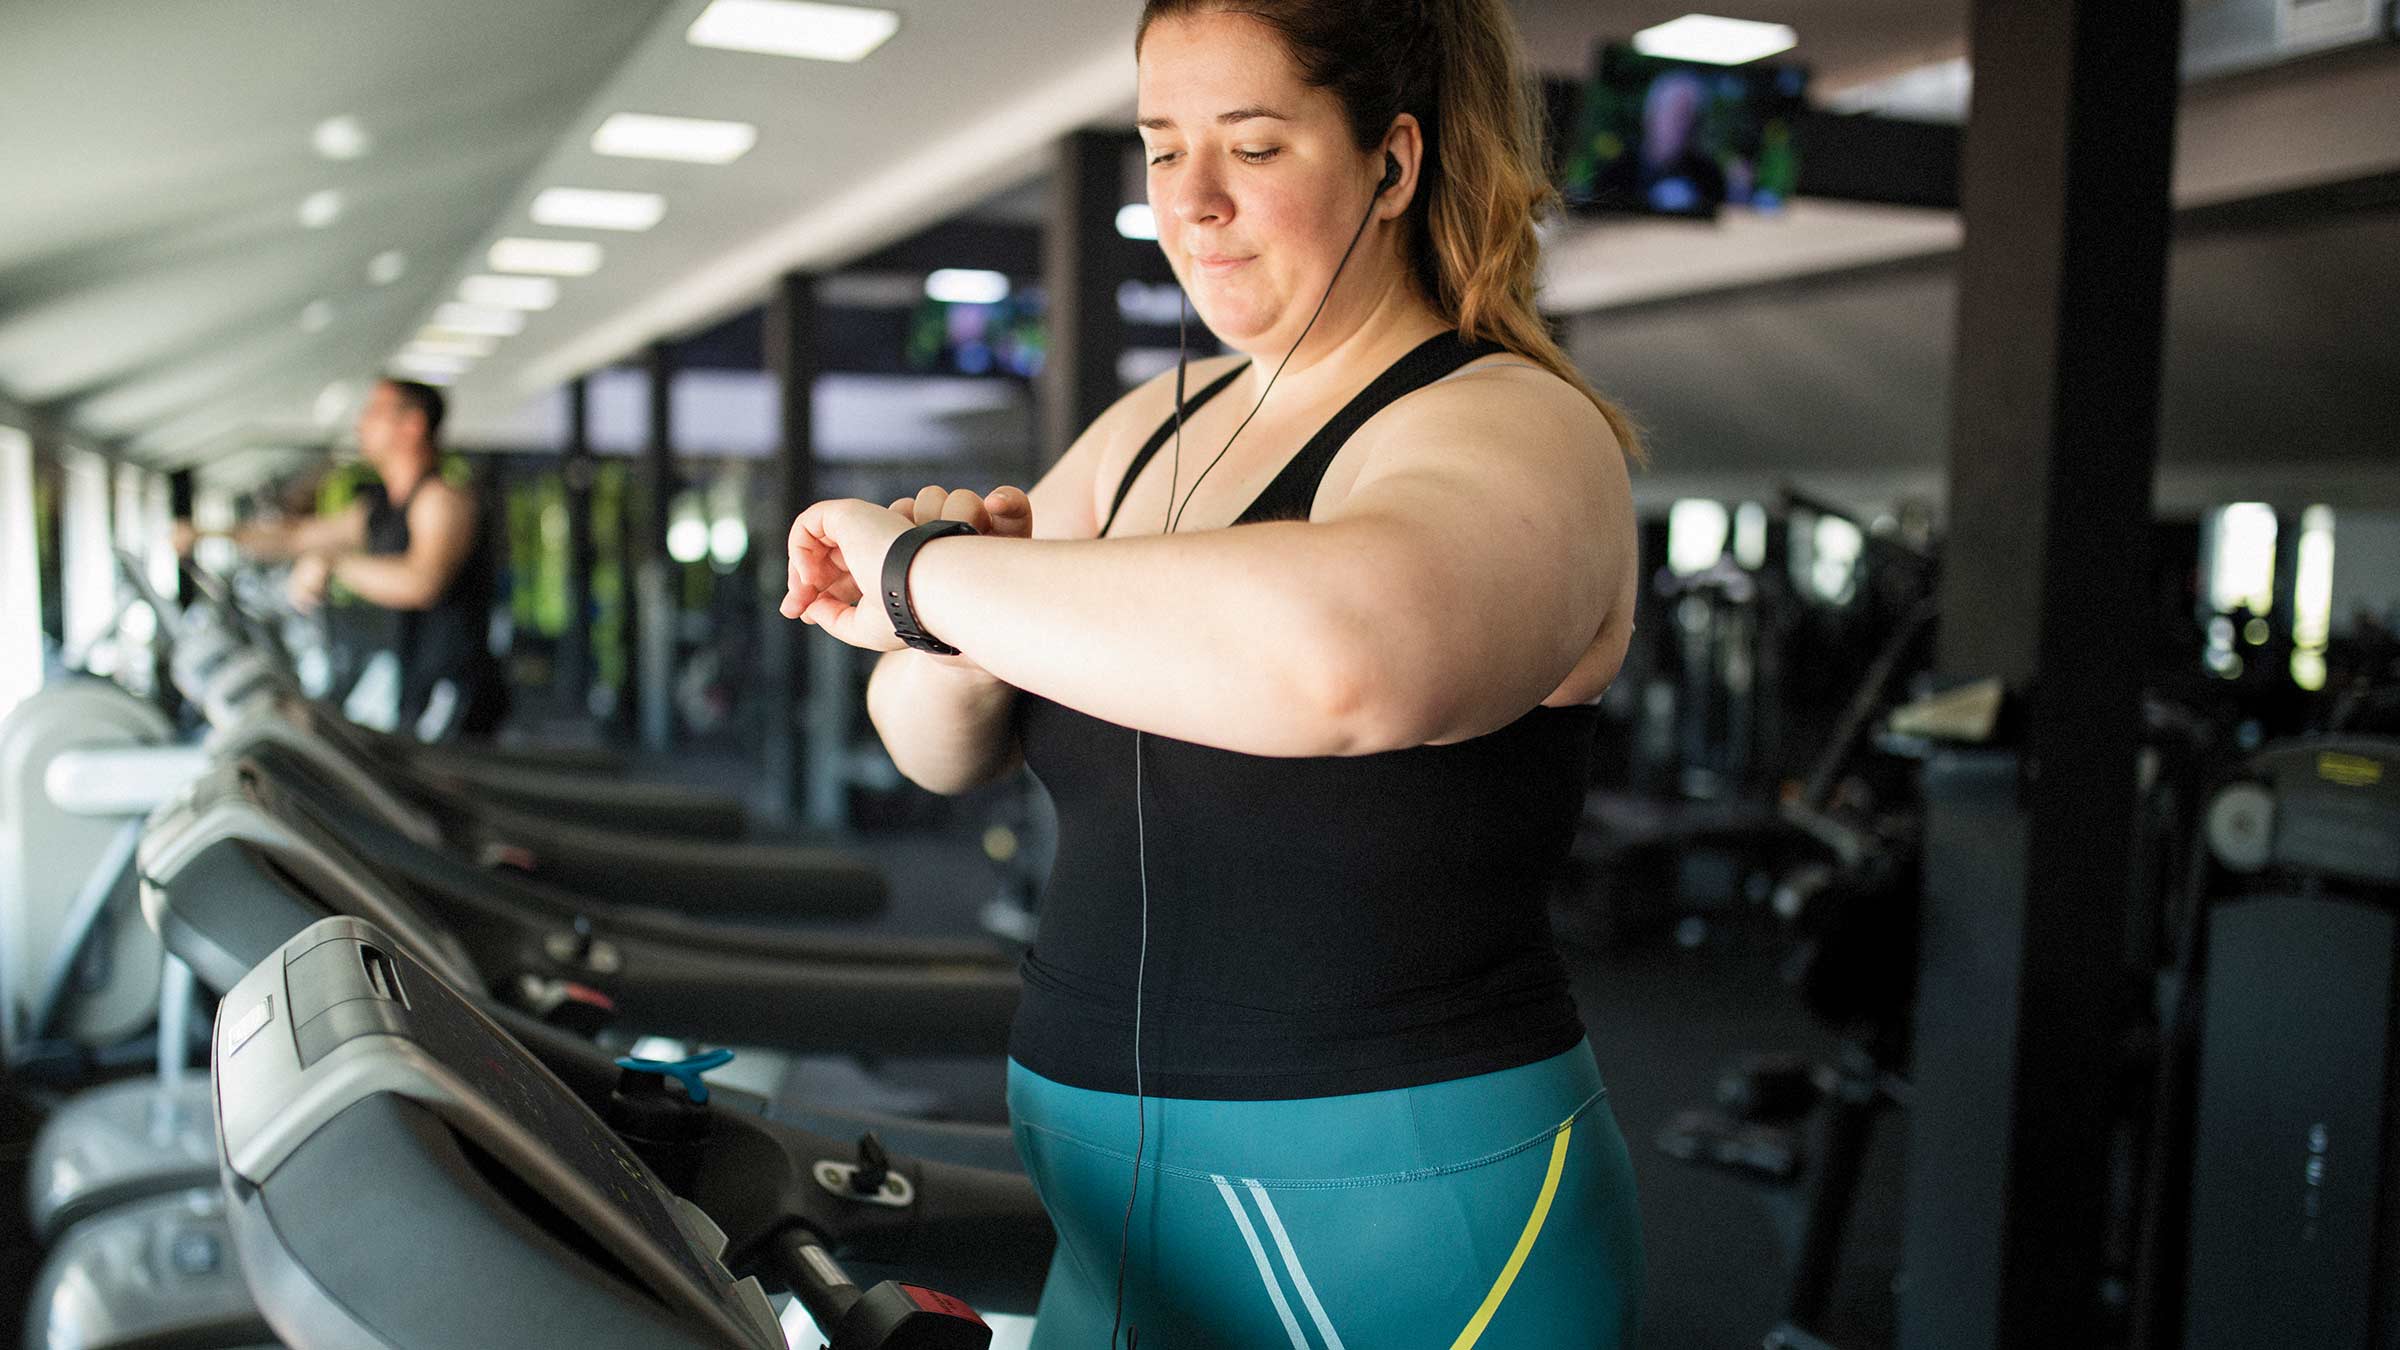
[(1217, 266)]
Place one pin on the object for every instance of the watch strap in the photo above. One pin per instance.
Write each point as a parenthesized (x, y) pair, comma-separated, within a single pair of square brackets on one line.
[(895, 583)]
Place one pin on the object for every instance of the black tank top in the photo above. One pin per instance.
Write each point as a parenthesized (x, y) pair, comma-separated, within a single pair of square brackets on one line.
[(1317, 926), (450, 639)]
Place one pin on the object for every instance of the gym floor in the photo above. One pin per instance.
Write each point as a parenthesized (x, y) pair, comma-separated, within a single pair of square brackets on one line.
[(1664, 1019)]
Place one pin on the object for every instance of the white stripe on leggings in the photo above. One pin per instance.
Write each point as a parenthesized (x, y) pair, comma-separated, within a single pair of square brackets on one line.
[(1291, 1261), (1258, 1254)]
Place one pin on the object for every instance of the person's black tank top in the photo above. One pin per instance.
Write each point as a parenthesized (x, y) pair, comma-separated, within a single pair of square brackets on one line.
[(449, 640), (1317, 925)]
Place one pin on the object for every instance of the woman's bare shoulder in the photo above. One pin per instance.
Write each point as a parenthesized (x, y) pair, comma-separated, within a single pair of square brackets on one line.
[(1131, 419)]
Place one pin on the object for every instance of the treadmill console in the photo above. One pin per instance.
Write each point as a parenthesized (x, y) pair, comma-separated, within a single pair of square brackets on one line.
[(2328, 807), (372, 1123)]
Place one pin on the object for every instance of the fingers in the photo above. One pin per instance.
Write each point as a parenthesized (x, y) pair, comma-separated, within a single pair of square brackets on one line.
[(795, 592), (1007, 511), (817, 567), (930, 503), (860, 626), (961, 504), (819, 586), (968, 507), (801, 593), (798, 599), (813, 564), (1011, 513)]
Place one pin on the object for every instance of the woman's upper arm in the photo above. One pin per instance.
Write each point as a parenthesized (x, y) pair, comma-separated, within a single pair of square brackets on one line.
[(1488, 552)]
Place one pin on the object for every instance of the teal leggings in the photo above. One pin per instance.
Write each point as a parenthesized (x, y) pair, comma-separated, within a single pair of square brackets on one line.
[(1494, 1211)]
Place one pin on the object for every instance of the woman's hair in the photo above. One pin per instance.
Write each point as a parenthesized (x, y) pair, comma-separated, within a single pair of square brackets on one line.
[(1454, 65)]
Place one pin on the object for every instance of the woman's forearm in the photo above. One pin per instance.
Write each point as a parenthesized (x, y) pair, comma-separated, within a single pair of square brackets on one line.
[(946, 730), (1210, 637)]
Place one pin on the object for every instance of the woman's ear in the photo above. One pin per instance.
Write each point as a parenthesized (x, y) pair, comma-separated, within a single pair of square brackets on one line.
[(1403, 163)]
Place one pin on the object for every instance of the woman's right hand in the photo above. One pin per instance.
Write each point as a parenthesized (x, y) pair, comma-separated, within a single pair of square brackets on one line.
[(1006, 513)]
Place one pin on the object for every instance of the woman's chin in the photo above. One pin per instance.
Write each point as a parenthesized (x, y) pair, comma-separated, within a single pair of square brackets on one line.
[(1240, 327)]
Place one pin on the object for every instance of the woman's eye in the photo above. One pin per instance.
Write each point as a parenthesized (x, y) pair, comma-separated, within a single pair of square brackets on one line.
[(1246, 156)]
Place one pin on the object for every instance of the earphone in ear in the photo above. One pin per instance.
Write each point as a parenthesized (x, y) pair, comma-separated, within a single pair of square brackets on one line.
[(1391, 173)]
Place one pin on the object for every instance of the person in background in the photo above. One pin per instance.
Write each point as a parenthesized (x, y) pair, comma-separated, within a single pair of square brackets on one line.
[(413, 545)]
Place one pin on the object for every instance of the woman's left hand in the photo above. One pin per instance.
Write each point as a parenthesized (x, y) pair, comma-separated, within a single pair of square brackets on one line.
[(835, 555)]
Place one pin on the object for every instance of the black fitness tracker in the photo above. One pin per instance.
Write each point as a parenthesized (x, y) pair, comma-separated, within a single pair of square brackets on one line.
[(895, 583)]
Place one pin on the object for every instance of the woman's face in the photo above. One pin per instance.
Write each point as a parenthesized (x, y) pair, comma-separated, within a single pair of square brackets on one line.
[(1253, 176)]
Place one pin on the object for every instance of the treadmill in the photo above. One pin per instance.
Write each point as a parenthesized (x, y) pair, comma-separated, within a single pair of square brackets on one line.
[(235, 899), (744, 877), (588, 831), (233, 867), (648, 966), (398, 1173), (581, 782)]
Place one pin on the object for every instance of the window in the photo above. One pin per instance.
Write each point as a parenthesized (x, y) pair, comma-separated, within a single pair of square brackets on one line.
[(138, 536), (2239, 544), (2312, 598), (1696, 534), (88, 570), (20, 576), (2241, 559)]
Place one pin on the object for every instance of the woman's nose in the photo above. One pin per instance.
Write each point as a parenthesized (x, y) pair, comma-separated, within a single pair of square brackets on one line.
[(1197, 197)]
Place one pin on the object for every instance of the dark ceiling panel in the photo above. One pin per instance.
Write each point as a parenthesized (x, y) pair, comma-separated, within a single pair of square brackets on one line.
[(2278, 351)]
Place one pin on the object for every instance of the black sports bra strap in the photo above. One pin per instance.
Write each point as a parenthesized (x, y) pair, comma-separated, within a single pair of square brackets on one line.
[(1294, 490), (1141, 460)]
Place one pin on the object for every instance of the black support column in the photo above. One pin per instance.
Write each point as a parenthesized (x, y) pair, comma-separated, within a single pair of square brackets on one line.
[(183, 494), (1082, 264), (2053, 446), (654, 590), (572, 676), (793, 360)]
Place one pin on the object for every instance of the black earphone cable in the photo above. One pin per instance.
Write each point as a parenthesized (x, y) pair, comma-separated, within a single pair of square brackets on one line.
[(1170, 519)]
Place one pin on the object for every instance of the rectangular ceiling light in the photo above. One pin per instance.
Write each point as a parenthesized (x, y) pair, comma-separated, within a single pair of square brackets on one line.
[(692, 140), (545, 257), (482, 320), (1718, 42), (444, 342), (509, 292), (966, 286), (1136, 220), (431, 367), (793, 28), (598, 209)]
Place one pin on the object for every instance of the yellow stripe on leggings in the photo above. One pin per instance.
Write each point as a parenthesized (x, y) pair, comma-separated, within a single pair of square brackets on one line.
[(1516, 1259)]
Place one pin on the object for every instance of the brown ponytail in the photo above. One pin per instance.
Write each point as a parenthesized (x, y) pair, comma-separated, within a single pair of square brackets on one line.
[(1454, 64)]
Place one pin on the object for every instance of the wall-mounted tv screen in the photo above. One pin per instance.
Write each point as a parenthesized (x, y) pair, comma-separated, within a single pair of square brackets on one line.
[(1682, 138), (1008, 337)]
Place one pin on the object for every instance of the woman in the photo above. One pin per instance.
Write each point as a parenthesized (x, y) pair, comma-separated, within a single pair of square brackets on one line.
[(1296, 1061)]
